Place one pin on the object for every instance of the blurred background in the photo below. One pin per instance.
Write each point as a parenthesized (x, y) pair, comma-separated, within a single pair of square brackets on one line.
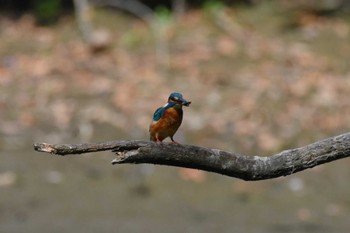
[(263, 76)]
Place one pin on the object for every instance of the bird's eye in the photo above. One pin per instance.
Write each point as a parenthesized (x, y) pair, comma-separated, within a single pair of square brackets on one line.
[(176, 98)]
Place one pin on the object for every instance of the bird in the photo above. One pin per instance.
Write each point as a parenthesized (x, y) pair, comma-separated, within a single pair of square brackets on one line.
[(167, 119)]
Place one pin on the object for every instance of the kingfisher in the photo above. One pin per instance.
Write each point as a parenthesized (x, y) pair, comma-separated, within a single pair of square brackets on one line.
[(167, 119)]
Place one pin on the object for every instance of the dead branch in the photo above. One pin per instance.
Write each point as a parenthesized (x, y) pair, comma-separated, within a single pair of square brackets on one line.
[(231, 164)]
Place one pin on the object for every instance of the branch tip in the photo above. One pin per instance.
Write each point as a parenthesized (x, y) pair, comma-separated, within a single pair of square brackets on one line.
[(45, 147), (115, 161)]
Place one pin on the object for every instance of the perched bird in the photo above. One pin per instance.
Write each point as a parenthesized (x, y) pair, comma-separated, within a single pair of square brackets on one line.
[(167, 119)]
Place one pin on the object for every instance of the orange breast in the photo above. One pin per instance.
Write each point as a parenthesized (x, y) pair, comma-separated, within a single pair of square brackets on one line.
[(167, 125)]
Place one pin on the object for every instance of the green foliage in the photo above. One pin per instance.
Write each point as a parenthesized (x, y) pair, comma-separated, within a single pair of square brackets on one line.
[(131, 39), (47, 11), (163, 15), (213, 6)]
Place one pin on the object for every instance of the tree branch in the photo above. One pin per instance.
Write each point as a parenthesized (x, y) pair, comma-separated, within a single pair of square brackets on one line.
[(231, 164)]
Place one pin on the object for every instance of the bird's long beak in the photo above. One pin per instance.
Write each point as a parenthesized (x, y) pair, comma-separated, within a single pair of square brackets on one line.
[(185, 102)]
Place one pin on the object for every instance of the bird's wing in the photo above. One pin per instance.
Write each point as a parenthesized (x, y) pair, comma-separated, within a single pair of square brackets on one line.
[(158, 113)]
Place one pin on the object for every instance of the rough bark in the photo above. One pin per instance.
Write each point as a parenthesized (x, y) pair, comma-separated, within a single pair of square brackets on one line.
[(214, 160)]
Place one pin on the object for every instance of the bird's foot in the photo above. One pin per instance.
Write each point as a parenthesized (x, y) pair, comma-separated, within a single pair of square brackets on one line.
[(159, 142), (174, 142)]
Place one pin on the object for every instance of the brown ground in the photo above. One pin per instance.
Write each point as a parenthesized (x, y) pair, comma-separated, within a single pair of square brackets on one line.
[(257, 86)]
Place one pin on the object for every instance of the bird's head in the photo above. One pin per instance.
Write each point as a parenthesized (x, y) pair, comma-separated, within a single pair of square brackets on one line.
[(177, 98)]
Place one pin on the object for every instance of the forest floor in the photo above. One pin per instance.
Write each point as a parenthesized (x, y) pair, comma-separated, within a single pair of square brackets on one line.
[(261, 80)]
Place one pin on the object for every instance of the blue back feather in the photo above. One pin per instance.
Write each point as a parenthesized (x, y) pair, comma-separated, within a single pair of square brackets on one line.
[(160, 111)]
